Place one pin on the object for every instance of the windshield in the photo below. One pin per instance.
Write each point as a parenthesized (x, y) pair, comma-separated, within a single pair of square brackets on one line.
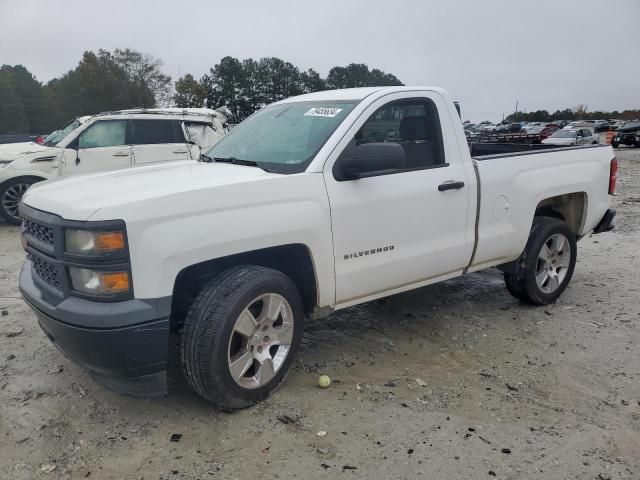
[(564, 134), (282, 138), (631, 125), (53, 138)]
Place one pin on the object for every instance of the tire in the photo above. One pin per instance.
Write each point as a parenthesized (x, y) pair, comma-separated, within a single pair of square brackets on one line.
[(11, 193), (539, 280), (513, 286), (218, 336)]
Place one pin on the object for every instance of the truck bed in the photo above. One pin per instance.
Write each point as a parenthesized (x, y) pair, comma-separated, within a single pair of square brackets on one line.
[(509, 190)]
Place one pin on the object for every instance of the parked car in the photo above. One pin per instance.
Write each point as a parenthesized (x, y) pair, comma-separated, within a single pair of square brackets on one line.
[(233, 252), (107, 141), (502, 127), (535, 130), (547, 131), (471, 135), (627, 134), (532, 126), (582, 136), (617, 124)]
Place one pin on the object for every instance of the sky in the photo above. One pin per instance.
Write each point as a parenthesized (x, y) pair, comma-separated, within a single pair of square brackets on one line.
[(489, 54)]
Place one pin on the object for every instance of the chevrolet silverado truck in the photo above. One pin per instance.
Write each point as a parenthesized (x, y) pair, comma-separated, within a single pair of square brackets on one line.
[(313, 204)]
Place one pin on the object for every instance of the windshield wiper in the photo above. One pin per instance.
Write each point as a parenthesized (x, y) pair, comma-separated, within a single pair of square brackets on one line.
[(205, 158), (237, 161)]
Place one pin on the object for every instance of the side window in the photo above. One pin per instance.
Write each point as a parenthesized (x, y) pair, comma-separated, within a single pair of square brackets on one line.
[(105, 133), (149, 132), (414, 125)]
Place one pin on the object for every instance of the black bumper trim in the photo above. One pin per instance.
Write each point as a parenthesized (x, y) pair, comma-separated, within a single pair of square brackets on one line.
[(607, 223), (124, 345)]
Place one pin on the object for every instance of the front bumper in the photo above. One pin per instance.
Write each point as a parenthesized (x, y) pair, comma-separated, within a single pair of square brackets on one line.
[(607, 223), (123, 344)]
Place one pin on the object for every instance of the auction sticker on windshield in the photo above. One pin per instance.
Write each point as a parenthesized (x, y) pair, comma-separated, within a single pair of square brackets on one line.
[(329, 112)]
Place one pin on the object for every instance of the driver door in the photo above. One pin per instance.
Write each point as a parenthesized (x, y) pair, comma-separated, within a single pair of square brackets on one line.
[(405, 226), (101, 146)]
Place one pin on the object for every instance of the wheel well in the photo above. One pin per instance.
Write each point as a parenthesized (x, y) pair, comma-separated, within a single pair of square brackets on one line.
[(293, 260), (569, 207), (29, 177)]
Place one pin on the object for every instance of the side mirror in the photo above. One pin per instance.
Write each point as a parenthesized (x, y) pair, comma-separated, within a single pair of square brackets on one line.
[(368, 160)]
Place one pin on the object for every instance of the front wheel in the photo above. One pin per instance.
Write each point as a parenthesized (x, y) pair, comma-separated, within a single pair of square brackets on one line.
[(11, 193), (546, 266), (241, 335)]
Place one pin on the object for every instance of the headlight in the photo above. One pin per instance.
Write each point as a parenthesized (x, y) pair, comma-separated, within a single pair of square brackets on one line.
[(89, 242), (99, 282)]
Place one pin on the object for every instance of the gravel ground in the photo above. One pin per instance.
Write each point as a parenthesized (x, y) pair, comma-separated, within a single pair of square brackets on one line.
[(456, 381)]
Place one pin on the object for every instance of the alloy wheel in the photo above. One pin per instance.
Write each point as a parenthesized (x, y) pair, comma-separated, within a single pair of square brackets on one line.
[(260, 340), (553, 263), (11, 198)]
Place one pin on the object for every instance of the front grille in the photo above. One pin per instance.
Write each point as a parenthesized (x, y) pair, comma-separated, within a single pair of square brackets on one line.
[(46, 271), (39, 232)]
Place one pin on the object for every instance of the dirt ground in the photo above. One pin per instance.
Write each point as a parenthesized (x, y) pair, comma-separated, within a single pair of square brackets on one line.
[(452, 381)]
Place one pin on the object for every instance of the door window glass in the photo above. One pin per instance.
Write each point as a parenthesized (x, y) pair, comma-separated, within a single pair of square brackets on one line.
[(414, 125), (104, 134), (149, 132)]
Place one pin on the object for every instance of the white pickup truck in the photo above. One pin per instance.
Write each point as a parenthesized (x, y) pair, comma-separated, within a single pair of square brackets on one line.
[(359, 194)]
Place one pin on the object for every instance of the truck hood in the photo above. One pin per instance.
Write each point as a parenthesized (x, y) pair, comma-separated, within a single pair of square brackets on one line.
[(11, 151), (122, 192)]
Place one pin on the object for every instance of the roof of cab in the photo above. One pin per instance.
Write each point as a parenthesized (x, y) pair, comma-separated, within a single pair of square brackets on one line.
[(350, 93)]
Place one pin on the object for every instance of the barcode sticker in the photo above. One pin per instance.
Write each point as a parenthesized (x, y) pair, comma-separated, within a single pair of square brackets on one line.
[(322, 112)]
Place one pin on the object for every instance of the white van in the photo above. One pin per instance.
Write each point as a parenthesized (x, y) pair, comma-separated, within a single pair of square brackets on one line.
[(107, 141)]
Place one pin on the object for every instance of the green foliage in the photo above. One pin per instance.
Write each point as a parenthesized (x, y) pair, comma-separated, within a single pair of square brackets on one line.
[(247, 85), (359, 75), (100, 82), (124, 78), (579, 112), (20, 100), (189, 93)]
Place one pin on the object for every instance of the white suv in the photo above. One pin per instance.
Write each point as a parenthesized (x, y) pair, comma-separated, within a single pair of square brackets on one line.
[(107, 141)]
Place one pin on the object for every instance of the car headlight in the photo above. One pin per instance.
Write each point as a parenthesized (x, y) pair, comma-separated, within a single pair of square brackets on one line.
[(99, 282), (87, 242)]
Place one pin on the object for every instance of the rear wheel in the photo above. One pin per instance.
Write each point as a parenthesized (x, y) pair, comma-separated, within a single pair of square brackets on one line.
[(11, 193), (546, 266), (241, 335)]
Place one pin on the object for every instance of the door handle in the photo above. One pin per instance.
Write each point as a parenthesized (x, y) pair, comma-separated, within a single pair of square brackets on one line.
[(121, 154), (180, 151), (450, 186)]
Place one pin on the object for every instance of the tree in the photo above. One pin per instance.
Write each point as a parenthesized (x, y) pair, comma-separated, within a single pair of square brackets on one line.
[(144, 70), (124, 78), (580, 110), (223, 84), (13, 113), (312, 82), (359, 75), (189, 92)]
